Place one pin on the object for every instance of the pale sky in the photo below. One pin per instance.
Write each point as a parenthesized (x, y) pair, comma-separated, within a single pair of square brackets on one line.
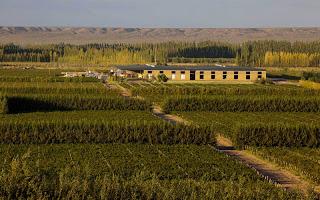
[(161, 13)]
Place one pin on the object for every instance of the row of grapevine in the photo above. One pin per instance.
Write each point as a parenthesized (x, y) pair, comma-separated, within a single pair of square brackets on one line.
[(276, 135), (42, 132), (242, 104), (18, 104)]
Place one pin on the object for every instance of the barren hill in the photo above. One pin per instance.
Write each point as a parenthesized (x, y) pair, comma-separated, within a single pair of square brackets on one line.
[(83, 35)]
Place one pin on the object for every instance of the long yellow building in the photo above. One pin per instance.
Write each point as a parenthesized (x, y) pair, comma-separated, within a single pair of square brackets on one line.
[(192, 73)]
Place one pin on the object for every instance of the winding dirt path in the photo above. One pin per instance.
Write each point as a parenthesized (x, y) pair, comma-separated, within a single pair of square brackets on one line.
[(123, 91), (283, 178), (167, 117), (280, 176)]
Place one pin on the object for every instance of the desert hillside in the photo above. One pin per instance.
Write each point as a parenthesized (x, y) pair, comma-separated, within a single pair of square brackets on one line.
[(82, 35)]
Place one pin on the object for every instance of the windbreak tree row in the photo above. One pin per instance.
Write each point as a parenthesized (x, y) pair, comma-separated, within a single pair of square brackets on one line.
[(251, 53), (242, 104)]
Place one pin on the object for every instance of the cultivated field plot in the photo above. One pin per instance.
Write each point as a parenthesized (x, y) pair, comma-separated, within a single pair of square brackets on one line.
[(131, 171), (263, 128), (88, 116), (145, 88), (30, 73), (38, 95), (285, 129), (157, 92), (77, 88), (224, 121), (127, 127)]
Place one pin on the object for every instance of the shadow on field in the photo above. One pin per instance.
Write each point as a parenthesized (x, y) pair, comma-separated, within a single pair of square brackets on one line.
[(26, 105)]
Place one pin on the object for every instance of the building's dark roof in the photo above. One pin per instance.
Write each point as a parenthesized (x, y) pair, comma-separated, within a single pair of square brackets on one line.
[(204, 68)]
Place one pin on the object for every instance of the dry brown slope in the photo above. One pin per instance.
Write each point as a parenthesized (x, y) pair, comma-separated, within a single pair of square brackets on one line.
[(83, 35)]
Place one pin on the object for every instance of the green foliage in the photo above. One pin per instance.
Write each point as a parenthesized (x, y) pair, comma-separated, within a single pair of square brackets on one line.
[(42, 132), (303, 161), (128, 172), (224, 122), (251, 53), (116, 53), (276, 135), (91, 116), (3, 105), (311, 76), (93, 89), (242, 104), (48, 79), (204, 60), (162, 78), (97, 154), (216, 89)]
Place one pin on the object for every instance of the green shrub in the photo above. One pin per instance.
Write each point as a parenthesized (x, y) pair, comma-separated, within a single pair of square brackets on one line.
[(311, 76)]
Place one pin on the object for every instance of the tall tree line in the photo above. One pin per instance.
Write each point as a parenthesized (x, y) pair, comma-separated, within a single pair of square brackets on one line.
[(253, 53), (279, 54), (116, 53)]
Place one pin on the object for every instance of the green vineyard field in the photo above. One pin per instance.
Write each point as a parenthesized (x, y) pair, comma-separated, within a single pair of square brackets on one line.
[(242, 104), (263, 128), (129, 171)]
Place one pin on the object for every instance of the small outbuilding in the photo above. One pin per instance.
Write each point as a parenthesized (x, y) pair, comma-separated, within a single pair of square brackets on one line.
[(192, 73)]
